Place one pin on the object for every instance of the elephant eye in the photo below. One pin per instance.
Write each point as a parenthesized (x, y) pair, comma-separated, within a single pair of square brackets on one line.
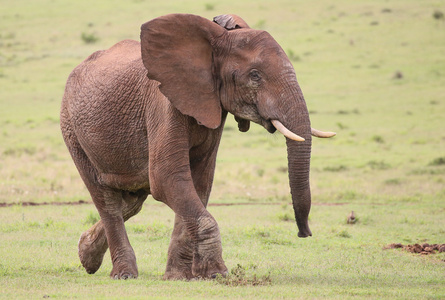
[(255, 75)]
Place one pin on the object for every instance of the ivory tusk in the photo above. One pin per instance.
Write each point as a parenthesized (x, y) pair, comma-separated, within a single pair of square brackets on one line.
[(286, 132), (322, 134)]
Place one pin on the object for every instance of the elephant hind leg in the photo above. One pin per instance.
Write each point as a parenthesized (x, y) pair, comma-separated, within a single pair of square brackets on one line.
[(92, 247), (93, 242), (111, 205)]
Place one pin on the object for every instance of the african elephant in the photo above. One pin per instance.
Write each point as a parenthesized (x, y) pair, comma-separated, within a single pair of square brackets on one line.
[(147, 118)]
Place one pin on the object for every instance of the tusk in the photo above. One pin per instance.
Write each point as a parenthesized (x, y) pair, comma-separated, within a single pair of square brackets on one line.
[(322, 134), (286, 132)]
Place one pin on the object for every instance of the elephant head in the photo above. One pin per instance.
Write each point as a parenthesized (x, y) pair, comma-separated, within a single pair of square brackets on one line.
[(205, 68)]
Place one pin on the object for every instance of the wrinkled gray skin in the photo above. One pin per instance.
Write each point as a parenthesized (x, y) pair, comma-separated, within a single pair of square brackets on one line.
[(147, 118)]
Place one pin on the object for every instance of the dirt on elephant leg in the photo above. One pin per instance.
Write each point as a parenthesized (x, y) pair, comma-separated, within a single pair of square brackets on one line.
[(180, 258), (180, 254), (200, 259), (177, 272), (207, 257), (92, 247)]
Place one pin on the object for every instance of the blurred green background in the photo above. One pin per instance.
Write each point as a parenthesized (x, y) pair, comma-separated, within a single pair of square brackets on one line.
[(371, 70)]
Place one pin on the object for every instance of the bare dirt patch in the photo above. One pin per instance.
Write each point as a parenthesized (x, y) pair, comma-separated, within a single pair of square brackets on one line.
[(30, 203), (422, 249)]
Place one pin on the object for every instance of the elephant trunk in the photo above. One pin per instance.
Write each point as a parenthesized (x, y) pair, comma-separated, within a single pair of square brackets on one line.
[(295, 119), (299, 154)]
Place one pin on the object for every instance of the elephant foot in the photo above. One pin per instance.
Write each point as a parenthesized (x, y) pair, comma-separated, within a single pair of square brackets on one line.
[(188, 260), (196, 270), (92, 247), (208, 269), (124, 274), (207, 254), (124, 264), (180, 258), (178, 274)]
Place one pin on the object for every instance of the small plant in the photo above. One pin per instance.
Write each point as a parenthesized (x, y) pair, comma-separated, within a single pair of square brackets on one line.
[(20, 150), (398, 75), (439, 161), (157, 230), (393, 181), (347, 195), (438, 15), (49, 222), (89, 38), (261, 24), (378, 139), (347, 112), (341, 125), (209, 6), (286, 217), (282, 169), (260, 172), (336, 168), (4, 270), (378, 165), (292, 56), (91, 219), (138, 228), (257, 232), (343, 112), (238, 277), (344, 234), (65, 268)]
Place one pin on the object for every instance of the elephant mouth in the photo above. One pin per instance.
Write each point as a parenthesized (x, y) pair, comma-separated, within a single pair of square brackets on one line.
[(269, 126)]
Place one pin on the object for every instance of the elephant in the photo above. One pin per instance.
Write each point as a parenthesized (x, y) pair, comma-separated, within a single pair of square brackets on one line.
[(146, 118)]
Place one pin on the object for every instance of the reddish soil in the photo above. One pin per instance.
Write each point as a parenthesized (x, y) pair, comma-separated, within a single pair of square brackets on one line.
[(3, 204), (422, 249)]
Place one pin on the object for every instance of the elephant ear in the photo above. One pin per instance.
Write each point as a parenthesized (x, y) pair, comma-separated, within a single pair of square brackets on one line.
[(230, 22), (177, 51)]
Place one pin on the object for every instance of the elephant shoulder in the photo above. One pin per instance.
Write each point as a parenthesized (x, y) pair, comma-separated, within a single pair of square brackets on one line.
[(125, 48), (121, 53), (129, 47), (123, 57)]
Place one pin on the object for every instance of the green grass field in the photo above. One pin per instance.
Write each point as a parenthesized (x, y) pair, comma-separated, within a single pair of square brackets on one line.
[(373, 71)]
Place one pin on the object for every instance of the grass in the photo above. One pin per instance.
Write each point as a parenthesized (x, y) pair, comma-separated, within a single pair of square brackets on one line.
[(371, 70), (266, 259)]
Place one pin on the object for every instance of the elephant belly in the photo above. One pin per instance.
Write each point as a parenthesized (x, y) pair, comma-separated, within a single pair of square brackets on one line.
[(118, 150), (121, 161)]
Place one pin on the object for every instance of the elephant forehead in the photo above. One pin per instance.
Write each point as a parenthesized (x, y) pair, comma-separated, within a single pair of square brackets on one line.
[(256, 47)]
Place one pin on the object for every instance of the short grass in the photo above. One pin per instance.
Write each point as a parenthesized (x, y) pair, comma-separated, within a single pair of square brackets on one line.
[(371, 70), (341, 261)]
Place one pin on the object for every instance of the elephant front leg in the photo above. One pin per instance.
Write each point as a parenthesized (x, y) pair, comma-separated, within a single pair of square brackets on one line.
[(207, 254), (180, 253), (195, 249), (184, 258), (200, 257)]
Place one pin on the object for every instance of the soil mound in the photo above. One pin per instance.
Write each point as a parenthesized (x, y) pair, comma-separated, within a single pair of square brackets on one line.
[(423, 249)]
